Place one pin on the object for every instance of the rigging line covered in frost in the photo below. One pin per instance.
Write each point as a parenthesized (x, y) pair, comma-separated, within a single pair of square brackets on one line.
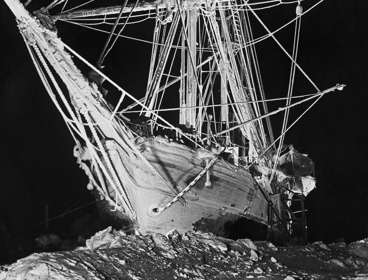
[(166, 83), (76, 7), (138, 102), (270, 1), (252, 42), (192, 61), (237, 91), (154, 49), (242, 33), (121, 89), (123, 197), (155, 78), (122, 28), (81, 130), (284, 50), (69, 122), (66, 2), (258, 74), (338, 87), (104, 31), (187, 188), (47, 40), (126, 111), (104, 52), (120, 191), (298, 12), (269, 34), (55, 84)]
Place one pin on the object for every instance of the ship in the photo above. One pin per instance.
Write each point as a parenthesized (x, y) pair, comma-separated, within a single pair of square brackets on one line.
[(190, 145)]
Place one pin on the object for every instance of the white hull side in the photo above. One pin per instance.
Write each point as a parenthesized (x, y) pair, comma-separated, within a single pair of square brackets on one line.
[(233, 194)]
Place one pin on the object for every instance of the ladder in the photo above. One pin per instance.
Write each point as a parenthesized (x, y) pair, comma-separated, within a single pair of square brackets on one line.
[(296, 220)]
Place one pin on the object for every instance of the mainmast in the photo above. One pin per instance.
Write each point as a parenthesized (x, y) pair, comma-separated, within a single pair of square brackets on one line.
[(192, 78)]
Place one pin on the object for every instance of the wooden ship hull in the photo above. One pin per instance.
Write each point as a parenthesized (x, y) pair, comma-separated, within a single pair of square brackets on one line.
[(223, 204)]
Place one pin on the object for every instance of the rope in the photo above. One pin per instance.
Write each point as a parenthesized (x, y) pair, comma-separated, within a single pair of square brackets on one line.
[(268, 7), (281, 109), (117, 86), (248, 77), (55, 84), (187, 188), (127, 37), (121, 30), (293, 123), (155, 78), (67, 121), (76, 7), (128, 207), (122, 191), (292, 75), (71, 207), (166, 82), (55, 3), (212, 29), (102, 190), (259, 78), (291, 85), (62, 9), (103, 31), (118, 189), (258, 40), (52, 96), (151, 93), (27, 3), (192, 62), (284, 50), (155, 43), (103, 54), (58, 216)]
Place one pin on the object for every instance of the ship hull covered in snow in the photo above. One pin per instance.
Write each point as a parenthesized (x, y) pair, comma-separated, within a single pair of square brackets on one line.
[(222, 205)]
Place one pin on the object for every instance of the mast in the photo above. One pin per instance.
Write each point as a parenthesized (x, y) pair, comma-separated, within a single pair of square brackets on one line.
[(191, 94), (182, 91), (224, 108)]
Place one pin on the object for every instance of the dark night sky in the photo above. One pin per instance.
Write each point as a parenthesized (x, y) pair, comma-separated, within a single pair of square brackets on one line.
[(37, 165)]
